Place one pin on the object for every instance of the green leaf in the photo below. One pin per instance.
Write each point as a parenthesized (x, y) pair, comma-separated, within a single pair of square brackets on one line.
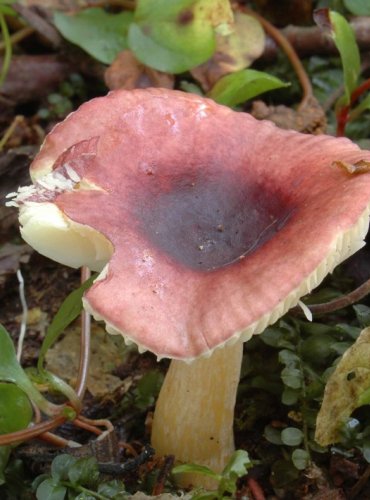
[(290, 396), (358, 7), (288, 358), (15, 408), (48, 490), (178, 35), (365, 448), (11, 371), (166, 47), (317, 348), (68, 312), (195, 468), (148, 388), (242, 85), (362, 314), (100, 34), (273, 435), (112, 489), (61, 465), (291, 436), (238, 464), (300, 459), (4, 458), (345, 41), (7, 11), (292, 377), (84, 472)]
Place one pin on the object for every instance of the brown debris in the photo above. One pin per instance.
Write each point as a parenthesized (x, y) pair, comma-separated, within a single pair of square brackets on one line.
[(308, 118), (342, 469), (11, 256), (126, 72), (37, 19), (32, 77)]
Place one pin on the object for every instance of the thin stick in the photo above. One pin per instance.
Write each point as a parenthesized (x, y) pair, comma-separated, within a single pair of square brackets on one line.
[(10, 130), (339, 303), (255, 489), (100, 421), (289, 50), (23, 328), (31, 432), (18, 36)]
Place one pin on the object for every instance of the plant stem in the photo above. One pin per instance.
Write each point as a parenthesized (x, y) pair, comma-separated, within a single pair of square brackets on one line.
[(338, 303), (289, 50), (18, 36), (9, 131), (7, 49), (343, 113), (32, 432)]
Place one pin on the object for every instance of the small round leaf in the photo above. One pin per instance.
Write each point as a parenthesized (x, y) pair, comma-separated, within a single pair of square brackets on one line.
[(291, 436)]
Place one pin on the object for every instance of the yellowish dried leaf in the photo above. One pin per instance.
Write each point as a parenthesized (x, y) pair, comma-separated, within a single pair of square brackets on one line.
[(234, 51), (344, 390)]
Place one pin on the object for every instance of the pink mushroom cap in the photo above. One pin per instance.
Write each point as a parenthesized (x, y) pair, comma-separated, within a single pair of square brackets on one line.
[(219, 223)]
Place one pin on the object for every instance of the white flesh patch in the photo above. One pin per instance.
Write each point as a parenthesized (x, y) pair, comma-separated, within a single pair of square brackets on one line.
[(51, 233)]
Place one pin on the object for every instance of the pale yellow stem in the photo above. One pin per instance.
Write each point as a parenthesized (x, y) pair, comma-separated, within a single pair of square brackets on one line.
[(194, 415)]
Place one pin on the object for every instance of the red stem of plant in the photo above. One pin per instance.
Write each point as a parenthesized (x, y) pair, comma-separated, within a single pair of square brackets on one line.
[(339, 303), (343, 113), (290, 52), (255, 489), (32, 432)]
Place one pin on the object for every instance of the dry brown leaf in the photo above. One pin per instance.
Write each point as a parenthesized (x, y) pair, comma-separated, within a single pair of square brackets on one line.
[(344, 390), (63, 359), (126, 72)]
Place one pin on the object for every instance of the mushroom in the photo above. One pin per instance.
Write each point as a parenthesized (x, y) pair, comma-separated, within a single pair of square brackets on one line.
[(207, 226)]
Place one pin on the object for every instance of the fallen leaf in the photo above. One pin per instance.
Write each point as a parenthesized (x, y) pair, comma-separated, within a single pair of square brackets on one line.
[(126, 72), (10, 258), (63, 360), (234, 52), (346, 390)]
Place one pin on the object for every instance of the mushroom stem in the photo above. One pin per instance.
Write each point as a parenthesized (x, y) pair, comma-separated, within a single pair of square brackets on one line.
[(194, 415)]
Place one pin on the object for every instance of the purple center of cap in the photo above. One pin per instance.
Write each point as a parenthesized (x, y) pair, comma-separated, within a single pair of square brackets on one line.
[(205, 223)]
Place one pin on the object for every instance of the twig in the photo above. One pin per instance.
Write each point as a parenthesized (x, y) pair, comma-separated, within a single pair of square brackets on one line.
[(58, 441), (289, 50), (255, 489), (18, 36), (360, 484), (339, 303), (164, 472), (100, 421), (32, 432), (23, 328), (10, 130)]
